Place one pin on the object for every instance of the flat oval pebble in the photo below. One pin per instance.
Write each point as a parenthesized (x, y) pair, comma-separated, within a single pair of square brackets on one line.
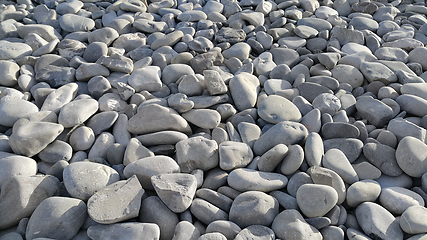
[(149, 231), (57, 213), (275, 109), (309, 197), (244, 179), (14, 109), (398, 199), (375, 220)]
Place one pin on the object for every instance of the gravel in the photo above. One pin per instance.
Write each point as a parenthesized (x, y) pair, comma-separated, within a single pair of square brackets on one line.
[(209, 119)]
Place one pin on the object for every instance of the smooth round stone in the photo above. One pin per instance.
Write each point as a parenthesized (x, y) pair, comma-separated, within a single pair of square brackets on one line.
[(285, 132), (76, 23), (14, 109), (106, 35), (249, 132), (14, 50), (56, 217), (203, 118), (383, 157), (314, 149), (101, 145), (239, 50), (147, 167), (69, 7), (227, 228), (293, 159), (234, 155), (146, 78), (9, 72), (254, 208), (286, 56), (375, 220), (186, 230), (102, 121), (173, 72), (82, 138), (316, 200), (348, 74), (77, 112), (12, 165), (339, 130), (19, 198), (153, 118), (275, 109), (256, 232), (176, 190), (290, 224), (154, 211), (94, 51), (244, 89), (363, 191), (351, 147), (244, 179), (124, 195), (305, 32), (411, 220), (30, 138), (412, 104), (197, 153), (324, 12), (206, 212), (335, 160), (398, 199), (418, 55), (192, 16), (56, 151), (351, 48), (417, 89), (83, 179), (269, 160), (292, 42), (410, 156), (362, 23), (129, 230)]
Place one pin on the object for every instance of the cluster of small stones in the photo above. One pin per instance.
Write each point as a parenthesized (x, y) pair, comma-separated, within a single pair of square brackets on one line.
[(213, 120)]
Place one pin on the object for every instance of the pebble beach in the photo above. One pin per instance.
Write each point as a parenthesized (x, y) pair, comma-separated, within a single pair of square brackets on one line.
[(213, 120)]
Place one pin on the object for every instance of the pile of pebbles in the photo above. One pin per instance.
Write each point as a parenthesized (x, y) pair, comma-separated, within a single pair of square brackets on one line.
[(213, 120)]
